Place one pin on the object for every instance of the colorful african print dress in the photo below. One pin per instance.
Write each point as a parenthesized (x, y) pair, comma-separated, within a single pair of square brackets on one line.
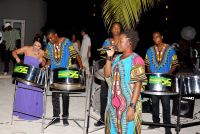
[(124, 72)]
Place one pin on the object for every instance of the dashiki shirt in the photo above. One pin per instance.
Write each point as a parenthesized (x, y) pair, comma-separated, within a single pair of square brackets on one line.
[(125, 73), (161, 62), (106, 43), (60, 56)]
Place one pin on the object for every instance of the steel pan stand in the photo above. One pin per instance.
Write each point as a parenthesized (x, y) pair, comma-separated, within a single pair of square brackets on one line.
[(179, 125), (87, 95), (88, 108), (46, 87), (16, 86)]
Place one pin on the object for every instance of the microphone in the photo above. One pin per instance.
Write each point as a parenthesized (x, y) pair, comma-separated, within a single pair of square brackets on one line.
[(106, 48), (103, 49)]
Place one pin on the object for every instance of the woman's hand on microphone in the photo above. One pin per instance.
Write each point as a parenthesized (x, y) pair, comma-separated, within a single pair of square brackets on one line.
[(111, 51)]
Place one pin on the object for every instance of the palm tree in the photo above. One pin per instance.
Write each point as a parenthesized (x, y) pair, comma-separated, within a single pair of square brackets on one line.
[(127, 12)]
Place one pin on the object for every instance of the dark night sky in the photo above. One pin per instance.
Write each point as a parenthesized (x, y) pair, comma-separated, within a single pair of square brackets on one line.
[(79, 13)]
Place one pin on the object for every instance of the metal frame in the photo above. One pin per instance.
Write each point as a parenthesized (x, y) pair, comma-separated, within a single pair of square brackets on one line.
[(87, 94), (43, 92), (178, 125)]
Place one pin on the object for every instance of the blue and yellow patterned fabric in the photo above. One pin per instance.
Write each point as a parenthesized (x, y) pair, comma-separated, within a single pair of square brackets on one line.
[(168, 61), (67, 51)]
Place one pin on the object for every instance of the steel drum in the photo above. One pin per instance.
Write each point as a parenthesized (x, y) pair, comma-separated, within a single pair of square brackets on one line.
[(67, 79), (99, 69), (160, 84), (29, 75), (191, 85)]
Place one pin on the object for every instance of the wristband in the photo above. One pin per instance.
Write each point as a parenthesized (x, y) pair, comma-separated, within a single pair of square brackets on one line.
[(132, 105), (109, 58)]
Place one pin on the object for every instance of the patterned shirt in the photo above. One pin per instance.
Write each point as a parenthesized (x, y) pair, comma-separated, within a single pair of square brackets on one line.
[(66, 52), (168, 60), (106, 43)]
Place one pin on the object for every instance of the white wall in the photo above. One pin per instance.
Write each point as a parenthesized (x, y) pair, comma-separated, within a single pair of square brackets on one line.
[(32, 11)]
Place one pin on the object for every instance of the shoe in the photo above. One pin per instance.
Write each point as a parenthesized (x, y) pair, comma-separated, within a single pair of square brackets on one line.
[(65, 122), (99, 123), (153, 127), (54, 121)]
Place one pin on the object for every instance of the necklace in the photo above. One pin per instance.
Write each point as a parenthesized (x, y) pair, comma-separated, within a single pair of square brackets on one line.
[(57, 53), (159, 53)]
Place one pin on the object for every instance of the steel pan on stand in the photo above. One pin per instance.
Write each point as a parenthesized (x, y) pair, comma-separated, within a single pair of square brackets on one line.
[(67, 79), (160, 84), (191, 85), (29, 75), (63, 78)]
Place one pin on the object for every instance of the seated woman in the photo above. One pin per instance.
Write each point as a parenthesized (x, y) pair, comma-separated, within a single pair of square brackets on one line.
[(28, 104)]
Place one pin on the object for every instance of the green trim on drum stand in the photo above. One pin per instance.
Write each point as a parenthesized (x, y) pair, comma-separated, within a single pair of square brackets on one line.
[(160, 80), (21, 69), (68, 74)]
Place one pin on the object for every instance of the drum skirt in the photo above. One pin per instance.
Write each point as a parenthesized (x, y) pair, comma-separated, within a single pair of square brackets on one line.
[(28, 102)]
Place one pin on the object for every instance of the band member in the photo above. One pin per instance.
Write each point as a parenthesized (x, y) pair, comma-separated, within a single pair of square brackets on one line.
[(115, 31), (161, 58), (59, 53), (125, 75), (29, 103)]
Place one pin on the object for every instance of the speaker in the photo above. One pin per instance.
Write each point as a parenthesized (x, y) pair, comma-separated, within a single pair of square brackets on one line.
[(186, 109)]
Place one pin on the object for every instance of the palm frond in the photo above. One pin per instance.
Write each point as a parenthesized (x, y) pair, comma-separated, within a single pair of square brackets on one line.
[(127, 12)]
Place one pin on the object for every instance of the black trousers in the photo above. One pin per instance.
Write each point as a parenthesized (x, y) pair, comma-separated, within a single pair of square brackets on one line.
[(2, 51), (7, 57), (103, 99), (165, 99), (56, 104)]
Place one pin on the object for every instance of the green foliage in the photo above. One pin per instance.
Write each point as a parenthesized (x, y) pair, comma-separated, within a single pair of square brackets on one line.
[(127, 12)]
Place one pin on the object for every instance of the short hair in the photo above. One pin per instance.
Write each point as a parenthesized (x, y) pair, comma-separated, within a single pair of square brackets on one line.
[(84, 30), (157, 31), (51, 31), (133, 37)]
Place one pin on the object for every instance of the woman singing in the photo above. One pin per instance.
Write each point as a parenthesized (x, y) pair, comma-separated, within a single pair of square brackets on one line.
[(125, 75)]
